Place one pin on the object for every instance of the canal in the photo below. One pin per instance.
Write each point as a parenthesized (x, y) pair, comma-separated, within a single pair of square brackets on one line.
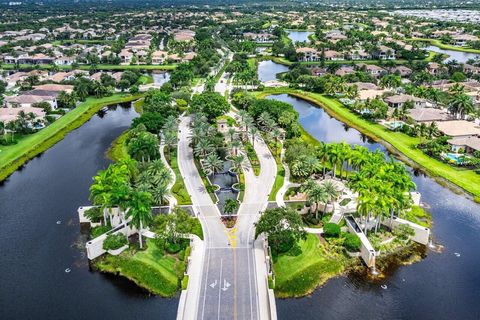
[(268, 70), (441, 286), (40, 236), (459, 56)]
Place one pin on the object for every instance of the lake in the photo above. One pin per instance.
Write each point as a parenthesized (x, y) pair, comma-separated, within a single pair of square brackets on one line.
[(441, 286), (268, 70), (40, 235), (299, 36), (459, 56)]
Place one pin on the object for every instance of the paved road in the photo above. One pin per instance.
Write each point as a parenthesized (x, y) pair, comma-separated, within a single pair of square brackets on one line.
[(229, 287)]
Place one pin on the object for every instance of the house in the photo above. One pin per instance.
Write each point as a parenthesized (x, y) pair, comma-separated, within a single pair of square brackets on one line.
[(344, 70), (471, 70), (428, 115), (402, 71), (397, 101), (468, 144), (459, 128), (259, 37), (372, 69), (159, 57), (126, 56), (55, 87), (434, 68), (64, 61), (11, 114), (333, 55), (358, 55), (384, 53), (307, 54), (462, 39)]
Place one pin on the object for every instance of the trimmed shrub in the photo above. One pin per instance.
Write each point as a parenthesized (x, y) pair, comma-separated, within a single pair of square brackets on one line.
[(331, 230), (94, 214), (98, 231), (352, 242), (114, 241)]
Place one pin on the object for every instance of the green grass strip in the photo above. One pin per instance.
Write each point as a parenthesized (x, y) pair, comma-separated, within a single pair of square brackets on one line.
[(397, 142), (14, 156)]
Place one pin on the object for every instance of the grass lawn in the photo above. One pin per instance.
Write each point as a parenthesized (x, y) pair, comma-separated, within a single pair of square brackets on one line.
[(145, 79), (179, 190), (438, 43), (252, 157), (118, 150), (280, 177), (400, 142), (149, 269), (12, 157), (298, 275)]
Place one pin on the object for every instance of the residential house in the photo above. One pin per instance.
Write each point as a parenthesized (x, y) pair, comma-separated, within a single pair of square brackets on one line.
[(466, 144), (384, 53), (307, 54), (459, 128), (397, 101)]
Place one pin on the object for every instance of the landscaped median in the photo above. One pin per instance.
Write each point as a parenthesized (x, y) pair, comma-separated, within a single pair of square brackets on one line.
[(396, 142), (14, 156)]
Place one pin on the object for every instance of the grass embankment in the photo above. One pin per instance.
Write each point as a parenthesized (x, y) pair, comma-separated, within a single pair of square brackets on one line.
[(280, 177), (145, 79), (252, 157), (301, 271), (397, 142), (150, 269), (88, 67), (118, 150), (441, 45), (179, 190), (14, 156)]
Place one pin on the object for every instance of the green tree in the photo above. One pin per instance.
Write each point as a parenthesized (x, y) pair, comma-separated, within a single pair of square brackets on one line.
[(140, 211), (212, 104), (283, 227)]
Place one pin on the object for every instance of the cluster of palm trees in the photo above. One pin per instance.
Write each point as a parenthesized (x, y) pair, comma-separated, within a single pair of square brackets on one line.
[(143, 145), (384, 190), (205, 145), (383, 185), (244, 74), (133, 188), (318, 193), (170, 132)]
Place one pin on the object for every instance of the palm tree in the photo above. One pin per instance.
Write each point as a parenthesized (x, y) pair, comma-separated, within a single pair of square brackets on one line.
[(461, 104), (238, 161), (316, 194), (231, 133), (230, 206), (331, 193), (253, 132), (203, 148), (235, 145), (433, 130), (212, 163), (140, 211)]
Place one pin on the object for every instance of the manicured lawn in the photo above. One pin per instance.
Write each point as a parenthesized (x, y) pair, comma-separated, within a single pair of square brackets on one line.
[(252, 157), (150, 269), (12, 157), (404, 144), (299, 275), (118, 150), (438, 43), (144, 79), (179, 189)]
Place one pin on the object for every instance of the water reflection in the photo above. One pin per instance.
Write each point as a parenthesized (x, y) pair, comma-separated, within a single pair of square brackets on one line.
[(299, 36), (461, 57), (36, 250), (268, 70), (441, 286)]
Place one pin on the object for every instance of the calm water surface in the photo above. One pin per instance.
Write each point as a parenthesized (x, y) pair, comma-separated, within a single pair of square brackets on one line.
[(35, 250), (268, 70), (301, 36), (442, 286), (459, 56)]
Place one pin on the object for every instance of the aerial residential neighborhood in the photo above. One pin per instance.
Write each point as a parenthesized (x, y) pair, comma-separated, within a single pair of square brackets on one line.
[(239, 159)]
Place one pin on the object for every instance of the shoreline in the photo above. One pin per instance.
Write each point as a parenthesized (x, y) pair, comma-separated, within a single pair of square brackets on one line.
[(467, 188), (56, 132)]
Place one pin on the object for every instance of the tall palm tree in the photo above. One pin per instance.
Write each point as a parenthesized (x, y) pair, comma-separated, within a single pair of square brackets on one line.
[(140, 211), (203, 148), (316, 194), (331, 192), (238, 161), (253, 132), (461, 104), (213, 163)]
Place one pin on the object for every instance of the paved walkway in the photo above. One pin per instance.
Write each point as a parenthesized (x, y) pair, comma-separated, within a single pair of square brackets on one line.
[(279, 198)]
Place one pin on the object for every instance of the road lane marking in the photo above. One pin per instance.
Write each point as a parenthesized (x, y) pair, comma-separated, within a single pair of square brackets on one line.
[(220, 289)]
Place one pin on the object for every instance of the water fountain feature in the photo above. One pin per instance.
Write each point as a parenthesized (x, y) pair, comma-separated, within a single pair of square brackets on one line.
[(225, 181)]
